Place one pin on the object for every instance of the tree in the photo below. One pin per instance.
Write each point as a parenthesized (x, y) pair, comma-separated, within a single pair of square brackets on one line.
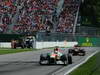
[(90, 10)]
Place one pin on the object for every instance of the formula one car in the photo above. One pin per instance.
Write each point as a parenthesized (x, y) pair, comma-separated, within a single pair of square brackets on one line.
[(53, 58), (77, 51)]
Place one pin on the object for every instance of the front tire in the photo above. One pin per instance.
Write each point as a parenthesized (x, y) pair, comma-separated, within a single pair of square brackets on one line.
[(64, 59), (41, 59)]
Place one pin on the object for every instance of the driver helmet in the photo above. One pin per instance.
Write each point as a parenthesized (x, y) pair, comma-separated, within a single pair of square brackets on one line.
[(56, 49)]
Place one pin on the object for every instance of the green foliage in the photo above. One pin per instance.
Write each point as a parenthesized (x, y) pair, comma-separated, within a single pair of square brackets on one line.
[(90, 12), (9, 51)]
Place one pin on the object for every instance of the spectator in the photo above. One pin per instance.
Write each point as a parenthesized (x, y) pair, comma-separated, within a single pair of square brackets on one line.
[(34, 15)]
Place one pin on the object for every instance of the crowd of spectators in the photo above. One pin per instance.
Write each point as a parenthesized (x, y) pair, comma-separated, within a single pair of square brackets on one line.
[(35, 15), (67, 16), (26, 15)]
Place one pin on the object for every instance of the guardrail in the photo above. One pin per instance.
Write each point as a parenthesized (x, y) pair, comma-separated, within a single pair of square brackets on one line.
[(40, 45)]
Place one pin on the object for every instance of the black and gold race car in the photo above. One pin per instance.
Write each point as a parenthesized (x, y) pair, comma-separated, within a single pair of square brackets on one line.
[(77, 50)]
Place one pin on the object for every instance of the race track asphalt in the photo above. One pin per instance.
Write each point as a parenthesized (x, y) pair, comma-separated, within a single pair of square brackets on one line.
[(26, 63)]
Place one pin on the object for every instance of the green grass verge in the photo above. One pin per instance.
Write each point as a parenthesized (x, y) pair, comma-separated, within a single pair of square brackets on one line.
[(9, 51), (91, 67)]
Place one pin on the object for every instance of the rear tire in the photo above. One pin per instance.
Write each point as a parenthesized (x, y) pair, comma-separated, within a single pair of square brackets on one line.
[(70, 51), (40, 62), (69, 59)]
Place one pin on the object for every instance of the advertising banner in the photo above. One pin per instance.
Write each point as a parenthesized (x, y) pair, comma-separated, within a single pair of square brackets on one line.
[(89, 41)]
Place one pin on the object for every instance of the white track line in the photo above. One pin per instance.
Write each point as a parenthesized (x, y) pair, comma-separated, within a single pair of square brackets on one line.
[(73, 68)]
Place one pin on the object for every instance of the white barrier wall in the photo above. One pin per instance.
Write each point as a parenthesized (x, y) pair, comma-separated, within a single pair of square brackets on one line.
[(40, 45), (5, 44)]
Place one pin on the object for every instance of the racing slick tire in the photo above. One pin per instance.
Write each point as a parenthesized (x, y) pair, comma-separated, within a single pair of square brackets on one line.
[(49, 61), (69, 59), (82, 52), (64, 59), (70, 51), (41, 59)]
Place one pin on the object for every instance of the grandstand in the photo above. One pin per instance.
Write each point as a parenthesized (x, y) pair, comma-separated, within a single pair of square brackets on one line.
[(28, 16), (44, 19)]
